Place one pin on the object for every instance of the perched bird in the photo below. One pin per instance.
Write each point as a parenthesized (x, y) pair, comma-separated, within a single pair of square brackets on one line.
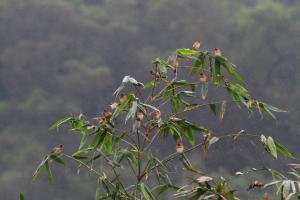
[(114, 105), (179, 148), (107, 114), (196, 45), (122, 98), (58, 149), (218, 52), (206, 136), (157, 114), (202, 77), (102, 122), (256, 184), (139, 116)]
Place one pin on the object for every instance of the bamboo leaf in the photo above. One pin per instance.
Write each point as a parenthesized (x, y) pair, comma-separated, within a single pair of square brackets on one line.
[(40, 166), (57, 159), (144, 192), (132, 111), (60, 122), (48, 170), (204, 90), (199, 63), (272, 147), (284, 151), (185, 52), (21, 196), (223, 108), (213, 108), (190, 135)]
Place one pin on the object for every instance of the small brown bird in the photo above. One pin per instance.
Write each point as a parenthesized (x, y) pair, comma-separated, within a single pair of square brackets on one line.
[(206, 136), (107, 114), (179, 147), (256, 184), (115, 105), (122, 98), (202, 77), (218, 52), (155, 74), (196, 45), (157, 114), (58, 149), (249, 104), (139, 115), (102, 122)]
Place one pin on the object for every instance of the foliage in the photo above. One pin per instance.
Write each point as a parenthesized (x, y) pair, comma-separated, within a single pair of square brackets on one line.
[(123, 138), (65, 56)]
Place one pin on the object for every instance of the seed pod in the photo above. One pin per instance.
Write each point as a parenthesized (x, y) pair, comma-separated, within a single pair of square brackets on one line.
[(122, 97), (114, 106), (196, 45), (140, 115), (58, 149), (157, 114), (179, 148), (218, 52), (202, 77), (107, 114)]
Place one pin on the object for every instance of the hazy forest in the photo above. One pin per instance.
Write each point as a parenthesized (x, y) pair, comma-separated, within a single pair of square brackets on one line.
[(66, 57)]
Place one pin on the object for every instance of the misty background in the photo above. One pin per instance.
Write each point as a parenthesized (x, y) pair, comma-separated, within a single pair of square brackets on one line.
[(59, 57)]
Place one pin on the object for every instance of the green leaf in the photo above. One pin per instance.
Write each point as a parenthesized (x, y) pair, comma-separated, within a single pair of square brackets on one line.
[(123, 105), (162, 189), (57, 159), (204, 90), (60, 122), (38, 169), (148, 106), (132, 111), (213, 108), (107, 144), (21, 196), (162, 65), (176, 103), (217, 72), (149, 85), (198, 65), (284, 151), (272, 147), (144, 192), (83, 139), (190, 135), (48, 170), (185, 52), (229, 69), (223, 108)]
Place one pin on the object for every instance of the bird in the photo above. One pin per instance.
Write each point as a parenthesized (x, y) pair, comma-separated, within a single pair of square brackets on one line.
[(256, 184), (122, 97), (218, 52), (202, 77), (107, 114), (179, 148), (196, 45), (58, 149)]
